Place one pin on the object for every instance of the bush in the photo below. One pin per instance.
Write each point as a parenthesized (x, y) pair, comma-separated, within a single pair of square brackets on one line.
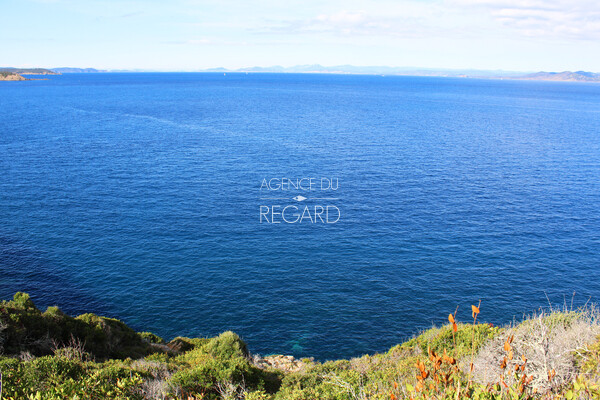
[(555, 353), (549, 341), (22, 300), (458, 344), (27, 329), (152, 338), (226, 345)]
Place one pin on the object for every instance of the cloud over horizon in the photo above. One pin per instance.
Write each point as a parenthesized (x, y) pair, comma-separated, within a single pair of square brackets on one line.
[(550, 19), (193, 34)]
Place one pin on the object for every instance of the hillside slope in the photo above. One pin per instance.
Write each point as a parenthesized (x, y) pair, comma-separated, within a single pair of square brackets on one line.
[(49, 355)]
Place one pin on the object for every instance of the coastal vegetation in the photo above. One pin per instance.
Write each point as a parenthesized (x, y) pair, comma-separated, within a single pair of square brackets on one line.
[(28, 71), (554, 354)]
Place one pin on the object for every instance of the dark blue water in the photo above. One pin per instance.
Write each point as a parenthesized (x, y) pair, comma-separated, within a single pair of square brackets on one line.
[(137, 196)]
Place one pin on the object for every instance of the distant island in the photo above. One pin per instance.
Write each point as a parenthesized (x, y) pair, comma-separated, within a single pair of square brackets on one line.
[(16, 74)]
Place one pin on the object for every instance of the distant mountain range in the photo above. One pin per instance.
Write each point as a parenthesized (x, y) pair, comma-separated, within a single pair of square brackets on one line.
[(316, 68), (370, 70), (578, 76), (68, 70)]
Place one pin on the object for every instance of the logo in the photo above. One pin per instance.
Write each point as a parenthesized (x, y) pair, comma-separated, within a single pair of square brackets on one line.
[(299, 201)]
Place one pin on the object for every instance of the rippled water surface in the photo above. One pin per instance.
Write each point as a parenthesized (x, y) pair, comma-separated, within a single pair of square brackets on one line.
[(137, 196)]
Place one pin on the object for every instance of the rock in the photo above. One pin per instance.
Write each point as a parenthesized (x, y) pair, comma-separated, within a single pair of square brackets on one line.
[(280, 362), (179, 345), (11, 77)]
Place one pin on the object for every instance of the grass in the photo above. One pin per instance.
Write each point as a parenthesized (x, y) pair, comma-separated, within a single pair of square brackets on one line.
[(49, 355)]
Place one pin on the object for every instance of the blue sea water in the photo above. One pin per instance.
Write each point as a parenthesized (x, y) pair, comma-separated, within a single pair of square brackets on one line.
[(137, 196)]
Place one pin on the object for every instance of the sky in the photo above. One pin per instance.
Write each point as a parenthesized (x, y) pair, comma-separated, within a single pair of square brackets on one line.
[(188, 35)]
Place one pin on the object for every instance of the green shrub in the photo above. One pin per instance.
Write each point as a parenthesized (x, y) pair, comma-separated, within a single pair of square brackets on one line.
[(226, 345), (301, 386), (27, 329), (438, 339), (158, 357), (183, 344), (22, 300), (135, 368), (54, 312), (222, 360), (258, 395), (152, 338)]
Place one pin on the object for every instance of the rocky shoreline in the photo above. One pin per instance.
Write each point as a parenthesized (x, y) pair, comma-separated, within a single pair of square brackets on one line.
[(12, 77)]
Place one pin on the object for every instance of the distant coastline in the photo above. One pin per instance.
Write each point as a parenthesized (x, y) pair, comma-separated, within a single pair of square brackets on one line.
[(565, 76), (582, 76), (16, 74)]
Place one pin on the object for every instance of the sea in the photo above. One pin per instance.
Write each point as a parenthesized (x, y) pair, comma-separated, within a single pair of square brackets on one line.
[(315, 215)]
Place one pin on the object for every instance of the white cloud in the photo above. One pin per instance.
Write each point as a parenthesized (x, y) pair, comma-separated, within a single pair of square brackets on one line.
[(550, 19), (206, 42), (404, 22), (344, 22), (541, 19)]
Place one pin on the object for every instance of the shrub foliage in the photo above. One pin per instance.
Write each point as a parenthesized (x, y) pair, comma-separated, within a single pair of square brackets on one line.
[(50, 355)]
